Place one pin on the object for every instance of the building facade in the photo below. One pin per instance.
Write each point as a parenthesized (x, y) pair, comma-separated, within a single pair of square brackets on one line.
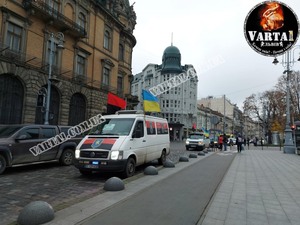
[(179, 104), (232, 121), (97, 40)]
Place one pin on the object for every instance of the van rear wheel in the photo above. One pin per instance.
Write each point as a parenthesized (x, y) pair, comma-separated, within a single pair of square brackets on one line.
[(163, 157), (129, 168)]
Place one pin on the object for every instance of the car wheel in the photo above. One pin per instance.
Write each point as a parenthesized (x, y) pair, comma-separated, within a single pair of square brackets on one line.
[(129, 168), (162, 158), (2, 164), (67, 157)]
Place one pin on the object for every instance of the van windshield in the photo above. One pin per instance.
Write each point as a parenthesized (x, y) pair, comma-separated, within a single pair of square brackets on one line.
[(114, 126)]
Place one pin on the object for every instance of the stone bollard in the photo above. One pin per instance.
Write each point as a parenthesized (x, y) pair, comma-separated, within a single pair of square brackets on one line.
[(150, 170), (37, 212), (201, 153), (114, 184), (183, 159), (169, 164), (192, 155)]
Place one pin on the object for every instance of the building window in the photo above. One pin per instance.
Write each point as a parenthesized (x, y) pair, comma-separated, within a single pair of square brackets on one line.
[(14, 37), (105, 76), (80, 65), (54, 4), (121, 52), (54, 54), (107, 40), (120, 85), (82, 20)]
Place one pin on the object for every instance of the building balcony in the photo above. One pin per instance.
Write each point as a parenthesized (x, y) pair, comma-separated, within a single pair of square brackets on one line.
[(51, 15)]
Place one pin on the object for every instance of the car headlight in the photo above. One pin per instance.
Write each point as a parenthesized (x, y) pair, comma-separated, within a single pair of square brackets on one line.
[(77, 153), (116, 155), (187, 142)]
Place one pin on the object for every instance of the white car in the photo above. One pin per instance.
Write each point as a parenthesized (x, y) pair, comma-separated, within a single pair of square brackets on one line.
[(197, 140)]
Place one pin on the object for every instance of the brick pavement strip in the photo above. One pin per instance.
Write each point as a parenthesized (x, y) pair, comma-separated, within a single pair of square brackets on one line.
[(59, 186)]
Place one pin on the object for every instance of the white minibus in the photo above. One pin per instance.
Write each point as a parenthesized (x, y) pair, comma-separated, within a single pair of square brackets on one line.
[(123, 141)]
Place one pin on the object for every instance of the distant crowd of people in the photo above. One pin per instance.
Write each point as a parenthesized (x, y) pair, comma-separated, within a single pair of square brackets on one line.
[(239, 141)]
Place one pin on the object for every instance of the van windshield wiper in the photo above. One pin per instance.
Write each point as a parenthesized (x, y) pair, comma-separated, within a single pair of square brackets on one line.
[(96, 133), (108, 134)]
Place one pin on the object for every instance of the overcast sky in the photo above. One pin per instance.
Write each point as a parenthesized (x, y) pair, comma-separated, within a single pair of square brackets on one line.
[(206, 31)]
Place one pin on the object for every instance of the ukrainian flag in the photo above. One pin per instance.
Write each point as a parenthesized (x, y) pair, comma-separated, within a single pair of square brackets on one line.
[(150, 102)]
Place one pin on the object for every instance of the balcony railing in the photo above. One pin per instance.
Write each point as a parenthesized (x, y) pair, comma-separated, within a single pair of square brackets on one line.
[(25, 60), (48, 13)]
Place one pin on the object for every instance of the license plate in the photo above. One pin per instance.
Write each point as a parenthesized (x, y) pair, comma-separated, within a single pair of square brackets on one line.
[(91, 166), (95, 162)]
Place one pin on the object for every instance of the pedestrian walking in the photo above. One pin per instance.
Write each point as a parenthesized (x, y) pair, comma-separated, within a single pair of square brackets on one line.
[(225, 140), (239, 143), (248, 142), (220, 142), (231, 143)]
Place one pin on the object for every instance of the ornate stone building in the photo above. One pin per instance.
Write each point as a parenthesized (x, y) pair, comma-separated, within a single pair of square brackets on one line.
[(97, 40), (178, 105)]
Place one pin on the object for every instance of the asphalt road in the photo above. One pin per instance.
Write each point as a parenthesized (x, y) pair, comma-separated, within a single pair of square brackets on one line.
[(177, 200)]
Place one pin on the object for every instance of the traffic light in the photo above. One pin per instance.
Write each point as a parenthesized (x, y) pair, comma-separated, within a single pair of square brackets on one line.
[(293, 127)]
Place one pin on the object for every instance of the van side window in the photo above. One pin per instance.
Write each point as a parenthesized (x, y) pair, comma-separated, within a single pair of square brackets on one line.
[(139, 128), (159, 128), (150, 127), (165, 128)]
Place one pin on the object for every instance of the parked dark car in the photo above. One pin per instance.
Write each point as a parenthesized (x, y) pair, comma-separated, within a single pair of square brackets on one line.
[(16, 140)]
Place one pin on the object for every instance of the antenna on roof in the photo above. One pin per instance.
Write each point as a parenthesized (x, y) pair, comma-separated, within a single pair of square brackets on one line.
[(172, 39)]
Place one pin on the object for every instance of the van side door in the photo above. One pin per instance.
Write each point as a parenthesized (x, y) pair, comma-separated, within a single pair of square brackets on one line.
[(153, 150), (139, 141)]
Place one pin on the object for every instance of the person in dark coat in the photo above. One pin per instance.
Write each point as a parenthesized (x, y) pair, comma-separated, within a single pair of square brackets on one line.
[(239, 142), (225, 140)]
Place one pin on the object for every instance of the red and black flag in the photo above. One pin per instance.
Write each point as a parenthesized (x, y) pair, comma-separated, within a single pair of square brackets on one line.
[(98, 143), (114, 103)]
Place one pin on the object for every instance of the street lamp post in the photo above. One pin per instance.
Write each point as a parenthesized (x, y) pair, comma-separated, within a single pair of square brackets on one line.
[(60, 38), (287, 62)]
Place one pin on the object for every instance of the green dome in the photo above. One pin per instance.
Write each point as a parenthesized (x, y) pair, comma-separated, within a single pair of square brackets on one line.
[(171, 60), (172, 50)]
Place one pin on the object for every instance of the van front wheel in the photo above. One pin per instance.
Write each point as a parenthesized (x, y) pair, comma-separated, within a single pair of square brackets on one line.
[(162, 158), (129, 168)]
